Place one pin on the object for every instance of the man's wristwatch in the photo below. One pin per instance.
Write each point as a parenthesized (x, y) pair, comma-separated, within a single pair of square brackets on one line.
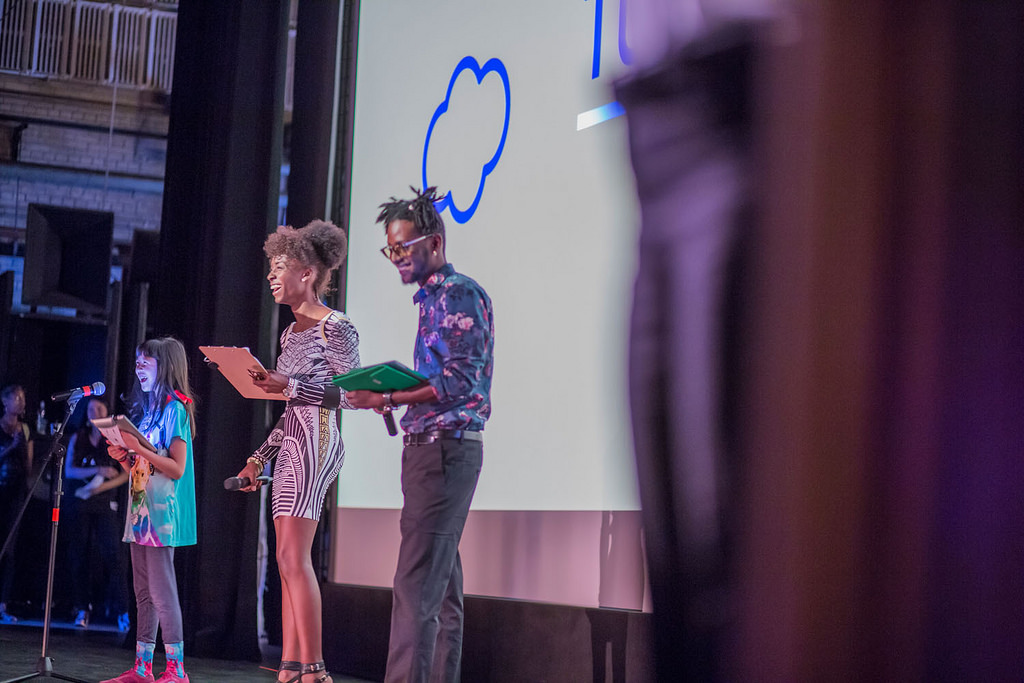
[(388, 401), (290, 388)]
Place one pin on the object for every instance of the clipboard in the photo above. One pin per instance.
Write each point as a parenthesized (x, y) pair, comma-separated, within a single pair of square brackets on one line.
[(111, 428), (235, 363), (389, 376)]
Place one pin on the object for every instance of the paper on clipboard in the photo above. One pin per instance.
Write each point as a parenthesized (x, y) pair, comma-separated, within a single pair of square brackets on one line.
[(235, 362), (111, 428)]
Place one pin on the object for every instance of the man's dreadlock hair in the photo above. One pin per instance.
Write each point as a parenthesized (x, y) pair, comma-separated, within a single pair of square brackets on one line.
[(419, 211)]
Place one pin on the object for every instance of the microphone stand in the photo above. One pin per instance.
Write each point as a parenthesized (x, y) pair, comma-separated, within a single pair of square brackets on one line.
[(44, 667)]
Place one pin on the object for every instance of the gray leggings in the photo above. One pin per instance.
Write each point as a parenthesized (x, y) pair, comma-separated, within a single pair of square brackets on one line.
[(156, 593)]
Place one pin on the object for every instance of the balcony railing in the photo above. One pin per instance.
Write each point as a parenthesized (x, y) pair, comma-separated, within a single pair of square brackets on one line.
[(87, 41)]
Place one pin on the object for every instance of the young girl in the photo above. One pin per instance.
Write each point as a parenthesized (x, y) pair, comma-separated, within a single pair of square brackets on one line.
[(162, 502)]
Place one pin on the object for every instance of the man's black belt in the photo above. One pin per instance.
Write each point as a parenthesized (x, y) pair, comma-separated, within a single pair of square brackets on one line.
[(438, 434)]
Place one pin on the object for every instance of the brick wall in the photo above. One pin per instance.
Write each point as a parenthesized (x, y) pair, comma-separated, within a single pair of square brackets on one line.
[(83, 103), (134, 209), (68, 157), (89, 150)]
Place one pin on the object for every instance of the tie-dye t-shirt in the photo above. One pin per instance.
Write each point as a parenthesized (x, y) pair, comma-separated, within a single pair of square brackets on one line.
[(455, 351), (161, 510)]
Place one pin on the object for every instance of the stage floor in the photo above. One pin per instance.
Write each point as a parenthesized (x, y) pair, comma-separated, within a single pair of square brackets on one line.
[(95, 654)]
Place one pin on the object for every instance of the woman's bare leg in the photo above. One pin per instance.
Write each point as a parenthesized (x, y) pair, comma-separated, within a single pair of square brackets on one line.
[(301, 592), (289, 634)]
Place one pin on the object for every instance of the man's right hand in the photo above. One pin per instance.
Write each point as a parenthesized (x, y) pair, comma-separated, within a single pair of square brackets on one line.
[(364, 398)]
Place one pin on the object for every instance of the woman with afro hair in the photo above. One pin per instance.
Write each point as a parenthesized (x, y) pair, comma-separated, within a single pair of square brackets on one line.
[(306, 441)]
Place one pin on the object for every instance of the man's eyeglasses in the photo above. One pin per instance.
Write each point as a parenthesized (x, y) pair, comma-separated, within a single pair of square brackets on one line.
[(401, 249)]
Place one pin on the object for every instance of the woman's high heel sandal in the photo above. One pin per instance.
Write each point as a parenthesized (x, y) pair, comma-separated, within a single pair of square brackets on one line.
[(291, 665), (314, 668)]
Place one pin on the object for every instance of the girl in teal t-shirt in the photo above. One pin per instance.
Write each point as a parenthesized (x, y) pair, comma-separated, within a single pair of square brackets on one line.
[(162, 502)]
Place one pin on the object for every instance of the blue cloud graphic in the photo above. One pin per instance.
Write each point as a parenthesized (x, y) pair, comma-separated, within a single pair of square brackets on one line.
[(491, 65)]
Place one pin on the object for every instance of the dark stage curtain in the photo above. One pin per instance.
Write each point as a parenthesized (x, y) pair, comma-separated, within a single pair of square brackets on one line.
[(220, 201), (313, 110)]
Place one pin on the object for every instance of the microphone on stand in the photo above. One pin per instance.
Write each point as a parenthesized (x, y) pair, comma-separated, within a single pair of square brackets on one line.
[(236, 483), (95, 389)]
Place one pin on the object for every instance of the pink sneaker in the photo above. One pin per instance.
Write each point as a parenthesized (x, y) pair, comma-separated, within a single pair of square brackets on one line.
[(130, 676), (168, 676)]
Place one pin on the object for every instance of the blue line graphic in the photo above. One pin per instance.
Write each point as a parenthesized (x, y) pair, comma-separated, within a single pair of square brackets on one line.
[(592, 117), (469, 62)]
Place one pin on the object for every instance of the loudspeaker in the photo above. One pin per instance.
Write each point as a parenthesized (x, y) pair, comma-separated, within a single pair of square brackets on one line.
[(67, 258)]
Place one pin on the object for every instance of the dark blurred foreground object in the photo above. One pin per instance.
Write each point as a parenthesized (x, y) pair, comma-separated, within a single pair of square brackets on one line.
[(689, 126), (864, 358)]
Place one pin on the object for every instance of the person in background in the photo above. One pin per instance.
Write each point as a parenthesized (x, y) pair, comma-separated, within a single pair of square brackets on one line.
[(94, 499), (15, 465)]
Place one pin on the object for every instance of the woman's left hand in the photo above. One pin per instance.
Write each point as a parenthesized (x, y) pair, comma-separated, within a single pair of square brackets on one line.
[(273, 383)]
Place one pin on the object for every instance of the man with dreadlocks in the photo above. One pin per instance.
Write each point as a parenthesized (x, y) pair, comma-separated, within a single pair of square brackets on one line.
[(443, 441)]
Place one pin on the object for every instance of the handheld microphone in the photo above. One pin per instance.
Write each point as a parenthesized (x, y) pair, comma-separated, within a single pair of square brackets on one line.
[(236, 483), (95, 389), (389, 422)]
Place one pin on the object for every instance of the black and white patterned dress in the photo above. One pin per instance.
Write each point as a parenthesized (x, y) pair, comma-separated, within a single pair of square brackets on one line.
[(307, 438)]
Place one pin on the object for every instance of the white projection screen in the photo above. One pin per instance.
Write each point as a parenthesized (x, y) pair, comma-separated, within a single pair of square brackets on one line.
[(507, 107)]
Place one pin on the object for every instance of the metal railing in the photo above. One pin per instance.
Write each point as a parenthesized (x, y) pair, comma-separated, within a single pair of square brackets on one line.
[(88, 41)]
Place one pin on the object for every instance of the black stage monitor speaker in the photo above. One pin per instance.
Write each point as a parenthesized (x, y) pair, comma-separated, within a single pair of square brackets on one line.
[(67, 258)]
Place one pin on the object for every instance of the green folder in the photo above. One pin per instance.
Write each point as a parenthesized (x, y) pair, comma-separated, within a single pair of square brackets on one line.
[(390, 376)]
